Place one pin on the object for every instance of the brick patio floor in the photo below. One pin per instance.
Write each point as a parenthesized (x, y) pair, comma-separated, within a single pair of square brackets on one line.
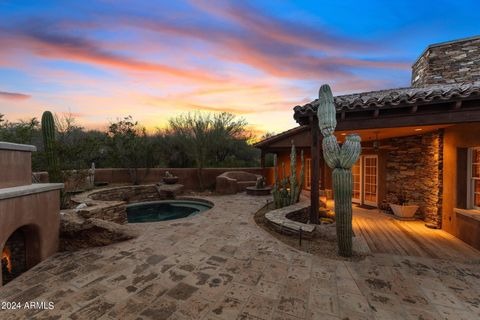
[(220, 265)]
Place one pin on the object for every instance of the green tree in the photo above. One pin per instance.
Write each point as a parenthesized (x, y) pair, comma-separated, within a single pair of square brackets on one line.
[(130, 146), (191, 132)]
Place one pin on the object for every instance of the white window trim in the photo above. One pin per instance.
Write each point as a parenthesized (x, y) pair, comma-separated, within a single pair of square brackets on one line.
[(471, 179)]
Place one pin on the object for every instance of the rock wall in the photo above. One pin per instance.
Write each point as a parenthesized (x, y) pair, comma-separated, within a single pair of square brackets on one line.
[(128, 194), (413, 168), (450, 62)]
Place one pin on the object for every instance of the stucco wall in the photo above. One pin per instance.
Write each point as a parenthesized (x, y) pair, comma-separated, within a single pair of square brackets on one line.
[(15, 169), (460, 136), (39, 215), (187, 176)]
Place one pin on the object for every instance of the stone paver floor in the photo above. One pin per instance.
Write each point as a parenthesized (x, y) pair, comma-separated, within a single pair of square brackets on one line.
[(220, 265)]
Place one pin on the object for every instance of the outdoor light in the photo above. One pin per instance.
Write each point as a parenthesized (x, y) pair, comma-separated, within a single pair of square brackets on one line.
[(418, 129)]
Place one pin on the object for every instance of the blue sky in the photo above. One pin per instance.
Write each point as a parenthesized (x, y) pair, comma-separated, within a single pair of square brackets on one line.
[(101, 60)]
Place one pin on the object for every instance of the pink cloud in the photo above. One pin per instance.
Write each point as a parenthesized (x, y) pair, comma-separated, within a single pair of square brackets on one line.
[(14, 96)]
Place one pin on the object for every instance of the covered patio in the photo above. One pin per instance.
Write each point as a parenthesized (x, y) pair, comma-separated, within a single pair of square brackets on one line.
[(419, 146), (384, 234)]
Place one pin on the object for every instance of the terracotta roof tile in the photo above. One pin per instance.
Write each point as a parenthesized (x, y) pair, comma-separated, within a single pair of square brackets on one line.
[(395, 97)]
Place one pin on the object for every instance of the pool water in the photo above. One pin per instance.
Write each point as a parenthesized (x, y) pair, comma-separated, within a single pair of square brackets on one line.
[(164, 210)]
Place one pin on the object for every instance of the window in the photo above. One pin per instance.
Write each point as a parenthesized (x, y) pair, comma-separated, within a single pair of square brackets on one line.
[(308, 173), (475, 177)]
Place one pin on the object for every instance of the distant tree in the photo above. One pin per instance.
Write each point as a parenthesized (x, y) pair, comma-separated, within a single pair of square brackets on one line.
[(218, 140), (191, 133), (23, 131), (130, 146)]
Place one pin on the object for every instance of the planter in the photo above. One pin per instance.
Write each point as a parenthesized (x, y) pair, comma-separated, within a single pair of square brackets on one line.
[(254, 191), (404, 211), (170, 180)]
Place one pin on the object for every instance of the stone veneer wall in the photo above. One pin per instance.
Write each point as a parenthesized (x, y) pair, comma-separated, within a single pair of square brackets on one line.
[(413, 168), (451, 62)]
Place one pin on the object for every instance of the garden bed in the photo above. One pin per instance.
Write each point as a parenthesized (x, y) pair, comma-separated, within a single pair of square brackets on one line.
[(323, 243)]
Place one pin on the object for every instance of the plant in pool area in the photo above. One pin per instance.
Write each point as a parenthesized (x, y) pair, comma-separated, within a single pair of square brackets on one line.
[(341, 160)]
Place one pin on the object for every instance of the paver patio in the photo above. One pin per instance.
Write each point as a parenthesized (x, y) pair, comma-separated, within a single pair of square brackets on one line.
[(221, 265)]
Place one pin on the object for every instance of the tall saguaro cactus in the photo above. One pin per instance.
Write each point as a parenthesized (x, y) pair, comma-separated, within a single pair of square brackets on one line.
[(341, 160), (48, 132)]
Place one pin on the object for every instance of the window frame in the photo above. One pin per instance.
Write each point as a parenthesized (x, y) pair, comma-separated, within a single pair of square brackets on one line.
[(471, 178)]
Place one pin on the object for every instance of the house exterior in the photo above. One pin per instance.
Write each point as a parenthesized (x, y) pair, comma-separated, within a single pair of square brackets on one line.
[(420, 143)]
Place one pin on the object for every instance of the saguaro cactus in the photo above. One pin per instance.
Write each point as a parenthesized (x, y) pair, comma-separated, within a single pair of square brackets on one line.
[(286, 191), (341, 160), (48, 132)]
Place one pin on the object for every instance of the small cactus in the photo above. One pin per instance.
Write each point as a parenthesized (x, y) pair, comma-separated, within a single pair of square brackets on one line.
[(341, 160), (286, 191), (48, 133)]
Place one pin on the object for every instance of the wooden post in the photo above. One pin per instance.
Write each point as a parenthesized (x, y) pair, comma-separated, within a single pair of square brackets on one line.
[(315, 163), (262, 164)]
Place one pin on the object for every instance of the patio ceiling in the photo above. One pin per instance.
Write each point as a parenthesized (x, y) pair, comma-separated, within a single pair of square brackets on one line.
[(386, 133)]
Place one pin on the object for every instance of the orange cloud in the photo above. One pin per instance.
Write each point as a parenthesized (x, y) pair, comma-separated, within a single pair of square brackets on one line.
[(76, 49)]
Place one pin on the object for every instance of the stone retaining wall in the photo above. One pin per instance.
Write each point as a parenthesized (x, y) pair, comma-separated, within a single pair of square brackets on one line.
[(110, 203), (127, 194), (278, 218)]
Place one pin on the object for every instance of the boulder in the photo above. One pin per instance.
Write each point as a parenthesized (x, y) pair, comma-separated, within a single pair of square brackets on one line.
[(78, 233)]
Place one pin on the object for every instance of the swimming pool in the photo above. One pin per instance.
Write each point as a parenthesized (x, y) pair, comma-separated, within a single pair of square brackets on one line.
[(165, 210)]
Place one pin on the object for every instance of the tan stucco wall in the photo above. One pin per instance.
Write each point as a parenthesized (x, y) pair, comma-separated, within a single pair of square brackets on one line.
[(15, 169), (187, 176), (460, 136), (39, 214)]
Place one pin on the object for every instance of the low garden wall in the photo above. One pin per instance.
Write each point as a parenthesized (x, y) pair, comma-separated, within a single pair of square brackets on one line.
[(187, 176), (279, 219)]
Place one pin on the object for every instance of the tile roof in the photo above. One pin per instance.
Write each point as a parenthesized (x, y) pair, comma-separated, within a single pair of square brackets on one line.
[(395, 97), (281, 135)]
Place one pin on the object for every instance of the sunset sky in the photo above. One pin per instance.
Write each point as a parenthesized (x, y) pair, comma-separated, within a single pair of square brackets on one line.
[(101, 60)]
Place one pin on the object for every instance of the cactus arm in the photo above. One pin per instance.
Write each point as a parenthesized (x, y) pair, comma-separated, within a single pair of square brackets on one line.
[(350, 151)]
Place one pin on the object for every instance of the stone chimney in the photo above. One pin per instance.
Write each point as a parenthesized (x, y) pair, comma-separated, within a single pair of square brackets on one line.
[(450, 62)]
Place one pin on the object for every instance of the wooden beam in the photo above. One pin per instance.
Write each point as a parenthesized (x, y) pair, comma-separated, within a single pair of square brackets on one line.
[(315, 174), (406, 120)]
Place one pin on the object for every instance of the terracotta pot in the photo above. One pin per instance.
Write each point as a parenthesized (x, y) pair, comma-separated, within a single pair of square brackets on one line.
[(404, 211), (170, 180)]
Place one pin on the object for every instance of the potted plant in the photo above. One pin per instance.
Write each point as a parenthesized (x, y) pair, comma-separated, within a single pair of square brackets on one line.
[(169, 178), (403, 209)]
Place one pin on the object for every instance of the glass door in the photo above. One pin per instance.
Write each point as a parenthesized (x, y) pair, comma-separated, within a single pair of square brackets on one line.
[(370, 180), (357, 181)]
